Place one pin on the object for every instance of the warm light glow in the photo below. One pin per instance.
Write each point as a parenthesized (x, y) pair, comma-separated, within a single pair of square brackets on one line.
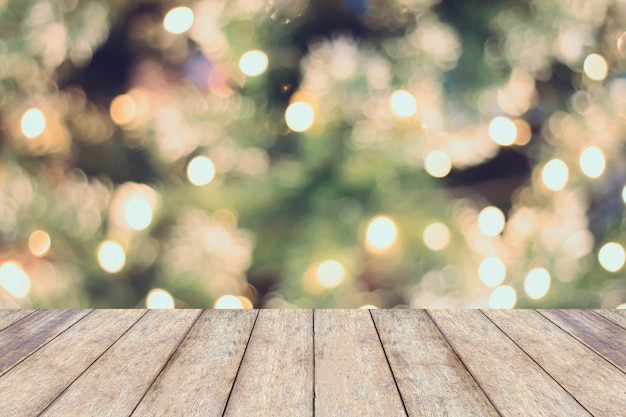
[(159, 299), (537, 283), (123, 109), (555, 174), (228, 302), (438, 164), (612, 256), (524, 132), (403, 103), (200, 171), (33, 123), (503, 297), (111, 256), (502, 131), (178, 20), (245, 302), (14, 280), (624, 194), (491, 221), (621, 43), (299, 116), (253, 63), (592, 162), (621, 306), (595, 67), (138, 213), (381, 233), (368, 307), (436, 236), (330, 273), (39, 243), (492, 271)]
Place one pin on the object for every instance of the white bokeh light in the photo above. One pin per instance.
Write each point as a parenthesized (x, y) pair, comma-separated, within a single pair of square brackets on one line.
[(555, 174), (33, 122), (492, 271), (228, 302), (159, 299), (592, 162), (381, 233), (612, 256), (503, 296), (502, 131), (537, 283), (403, 103), (330, 273), (111, 256), (200, 170), (436, 236), (596, 67), (299, 116), (437, 164), (178, 20), (253, 63), (14, 279), (138, 213), (491, 221)]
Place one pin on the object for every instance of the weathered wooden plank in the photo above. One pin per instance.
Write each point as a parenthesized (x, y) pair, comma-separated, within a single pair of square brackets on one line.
[(276, 374), (514, 383), (600, 334), (431, 378), (596, 384), (352, 376), (616, 316), (30, 333), (117, 381), (31, 385), (8, 317), (200, 375)]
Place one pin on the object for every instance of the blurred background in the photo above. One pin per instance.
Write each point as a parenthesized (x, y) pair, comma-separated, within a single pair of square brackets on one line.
[(287, 153)]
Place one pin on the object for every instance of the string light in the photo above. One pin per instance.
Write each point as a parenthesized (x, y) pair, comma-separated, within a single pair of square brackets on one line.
[(436, 236), (381, 233), (403, 103), (178, 20), (111, 256), (253, 63), (555, 174), (491, 221), (330, 273), (438, 164), (159, 299), (595, 67), (200, 170), (503, 296), (502, 131), (592, 162), (537, 283), (492, 271), (612, 256), (39, 243), (14, 280), (33, 123), (299, 116)]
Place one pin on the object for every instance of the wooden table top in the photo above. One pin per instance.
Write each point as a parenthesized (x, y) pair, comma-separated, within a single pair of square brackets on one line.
[(313, 363)]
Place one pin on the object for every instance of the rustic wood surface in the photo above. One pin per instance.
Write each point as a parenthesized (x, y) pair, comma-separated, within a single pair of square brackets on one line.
[(313, 363)]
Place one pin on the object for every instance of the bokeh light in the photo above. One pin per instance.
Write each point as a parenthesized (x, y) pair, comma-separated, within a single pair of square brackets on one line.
[(200, 170), (438, 164), (491, 221), (159, 299), (403, 103), (228, 302), (39, 243), (492, 271), (111, 256), (253, 63), (299, 116), (502, 131), (502, 297), (123, 109), (381, 233), (537, 283), (14, 279), (368, 307), (330, 273), (624, 194), (138, 213), (178, 20), (612, 256), (592, 162), (596, 67), (33, 122), (555, 174), (436, 236)]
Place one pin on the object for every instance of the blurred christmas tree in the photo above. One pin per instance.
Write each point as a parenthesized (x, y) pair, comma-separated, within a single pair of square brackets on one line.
[(325, 154)]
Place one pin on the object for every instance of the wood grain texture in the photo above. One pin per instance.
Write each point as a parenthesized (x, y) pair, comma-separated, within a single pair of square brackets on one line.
[(30, 386), (33, 331), (352, 376), (117, 381), (514, 383), (599, 386), (200, 375), (8, 317), (431, 378), (276, 374), (616, 316), (600, 334)]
